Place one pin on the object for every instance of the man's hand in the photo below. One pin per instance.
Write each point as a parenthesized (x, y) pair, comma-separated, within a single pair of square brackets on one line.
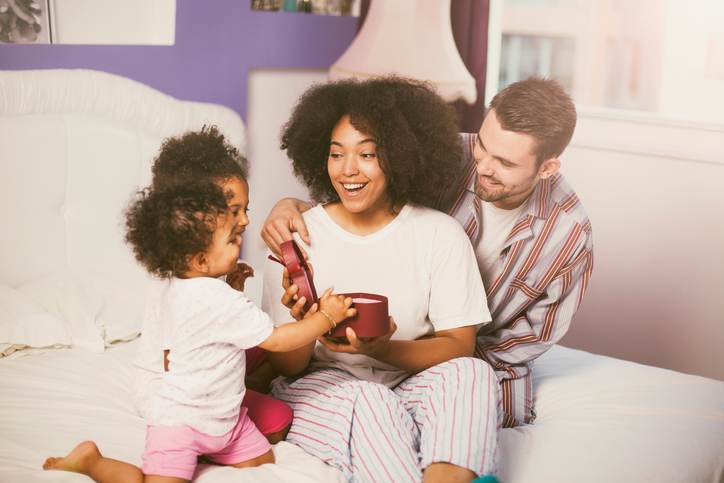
[(284, 219), (373, 347), (237, 278)]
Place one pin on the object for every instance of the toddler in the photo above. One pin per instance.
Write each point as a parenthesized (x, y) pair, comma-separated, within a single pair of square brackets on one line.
[(188, 235), (201, 156)]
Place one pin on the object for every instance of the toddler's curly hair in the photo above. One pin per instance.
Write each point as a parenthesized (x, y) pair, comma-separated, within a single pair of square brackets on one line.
[(166, 227), (415, 131), (196, 156)]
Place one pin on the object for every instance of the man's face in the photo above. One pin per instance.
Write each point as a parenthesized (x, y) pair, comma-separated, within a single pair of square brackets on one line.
[(506, 164)]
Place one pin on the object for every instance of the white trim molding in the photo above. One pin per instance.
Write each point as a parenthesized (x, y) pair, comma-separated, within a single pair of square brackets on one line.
[(649, 135)]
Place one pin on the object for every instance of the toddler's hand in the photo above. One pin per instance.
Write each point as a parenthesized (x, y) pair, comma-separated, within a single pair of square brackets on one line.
[(237, 278), (337, 306)]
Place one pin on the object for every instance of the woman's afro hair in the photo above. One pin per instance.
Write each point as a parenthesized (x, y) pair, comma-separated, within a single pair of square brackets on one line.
[(415, 131)]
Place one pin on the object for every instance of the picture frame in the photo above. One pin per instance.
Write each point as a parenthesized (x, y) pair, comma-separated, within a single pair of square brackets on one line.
[(25, 22)]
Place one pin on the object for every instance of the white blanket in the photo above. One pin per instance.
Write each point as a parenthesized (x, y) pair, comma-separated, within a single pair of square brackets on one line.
[(599, 420), (52, 400)]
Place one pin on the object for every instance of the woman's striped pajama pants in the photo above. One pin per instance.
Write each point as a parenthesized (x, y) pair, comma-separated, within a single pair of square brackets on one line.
[(372, 433)]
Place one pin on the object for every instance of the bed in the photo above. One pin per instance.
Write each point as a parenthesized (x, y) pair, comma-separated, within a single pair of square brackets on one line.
[(74, 145)]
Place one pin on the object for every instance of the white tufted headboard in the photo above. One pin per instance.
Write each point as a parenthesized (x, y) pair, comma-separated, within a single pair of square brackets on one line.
[(74, 146)]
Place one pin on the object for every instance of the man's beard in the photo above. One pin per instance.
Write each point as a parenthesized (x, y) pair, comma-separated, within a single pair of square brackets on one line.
[(498, 193)]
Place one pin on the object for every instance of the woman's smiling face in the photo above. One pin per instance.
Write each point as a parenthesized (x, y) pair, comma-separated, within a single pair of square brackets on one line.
[(354, 170)]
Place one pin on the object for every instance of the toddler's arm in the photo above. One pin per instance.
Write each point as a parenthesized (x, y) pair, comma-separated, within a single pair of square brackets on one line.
[(333, 309)]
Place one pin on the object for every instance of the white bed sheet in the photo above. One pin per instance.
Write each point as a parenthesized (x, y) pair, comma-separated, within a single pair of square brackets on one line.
[(52, 400), (602, 419), (599, 419)]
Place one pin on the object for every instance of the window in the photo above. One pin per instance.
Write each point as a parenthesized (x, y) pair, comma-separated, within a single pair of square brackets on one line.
[(525, 55), (664, 57)]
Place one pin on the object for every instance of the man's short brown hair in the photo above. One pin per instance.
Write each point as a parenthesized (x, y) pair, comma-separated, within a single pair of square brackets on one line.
[(541, 108)]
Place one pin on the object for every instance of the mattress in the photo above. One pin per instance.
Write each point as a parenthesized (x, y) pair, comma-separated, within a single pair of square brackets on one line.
[(599, 419)]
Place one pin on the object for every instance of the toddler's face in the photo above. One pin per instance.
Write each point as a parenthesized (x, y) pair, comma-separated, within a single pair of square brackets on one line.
[(239, 200), (225, 246)]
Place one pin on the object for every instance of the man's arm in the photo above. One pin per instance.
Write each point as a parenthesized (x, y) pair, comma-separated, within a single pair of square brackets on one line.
[(284, 219), (547, 319)]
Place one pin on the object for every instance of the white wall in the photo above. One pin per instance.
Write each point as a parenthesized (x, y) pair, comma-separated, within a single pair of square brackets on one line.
[(653, 191), (272, 94), (690, 82), (126, 22)]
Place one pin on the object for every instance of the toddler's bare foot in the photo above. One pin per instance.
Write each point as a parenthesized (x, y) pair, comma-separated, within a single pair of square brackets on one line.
[(79, 460)]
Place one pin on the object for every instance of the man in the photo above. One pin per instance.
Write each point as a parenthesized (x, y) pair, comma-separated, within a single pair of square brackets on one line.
[(532, 237)]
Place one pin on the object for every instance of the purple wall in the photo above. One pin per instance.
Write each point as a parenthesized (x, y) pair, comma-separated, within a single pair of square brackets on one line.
[(217, 43)]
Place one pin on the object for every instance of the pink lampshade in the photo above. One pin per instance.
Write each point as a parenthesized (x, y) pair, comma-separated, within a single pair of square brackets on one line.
[(411, 38)]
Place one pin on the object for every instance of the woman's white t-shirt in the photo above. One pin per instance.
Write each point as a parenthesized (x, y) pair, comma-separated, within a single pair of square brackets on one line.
[(422, 261)]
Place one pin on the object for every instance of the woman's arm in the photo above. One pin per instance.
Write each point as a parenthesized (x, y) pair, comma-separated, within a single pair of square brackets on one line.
[(276, 301), (418, 355), (292, 363), (411, 355)]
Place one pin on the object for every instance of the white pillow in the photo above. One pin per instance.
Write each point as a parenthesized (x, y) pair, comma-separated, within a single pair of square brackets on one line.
[(65, 297), (24, 324), (122, 303), (98, 309)]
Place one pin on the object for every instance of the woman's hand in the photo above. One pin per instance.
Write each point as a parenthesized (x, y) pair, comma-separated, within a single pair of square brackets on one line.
[(237, 278), (285, 218), (374, 347), (291, 299)]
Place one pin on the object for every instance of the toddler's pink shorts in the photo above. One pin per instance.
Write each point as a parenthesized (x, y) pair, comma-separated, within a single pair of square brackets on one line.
[(173, 450)]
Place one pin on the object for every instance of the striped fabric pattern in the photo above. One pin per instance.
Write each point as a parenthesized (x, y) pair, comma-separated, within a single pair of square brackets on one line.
[(372, 433), (542, 276)]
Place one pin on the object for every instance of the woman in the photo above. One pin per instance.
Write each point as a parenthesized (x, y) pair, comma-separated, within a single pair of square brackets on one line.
[(412, 404)]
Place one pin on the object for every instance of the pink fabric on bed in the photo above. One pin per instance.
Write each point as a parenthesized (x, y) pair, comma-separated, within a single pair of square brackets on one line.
[(269, 414)]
